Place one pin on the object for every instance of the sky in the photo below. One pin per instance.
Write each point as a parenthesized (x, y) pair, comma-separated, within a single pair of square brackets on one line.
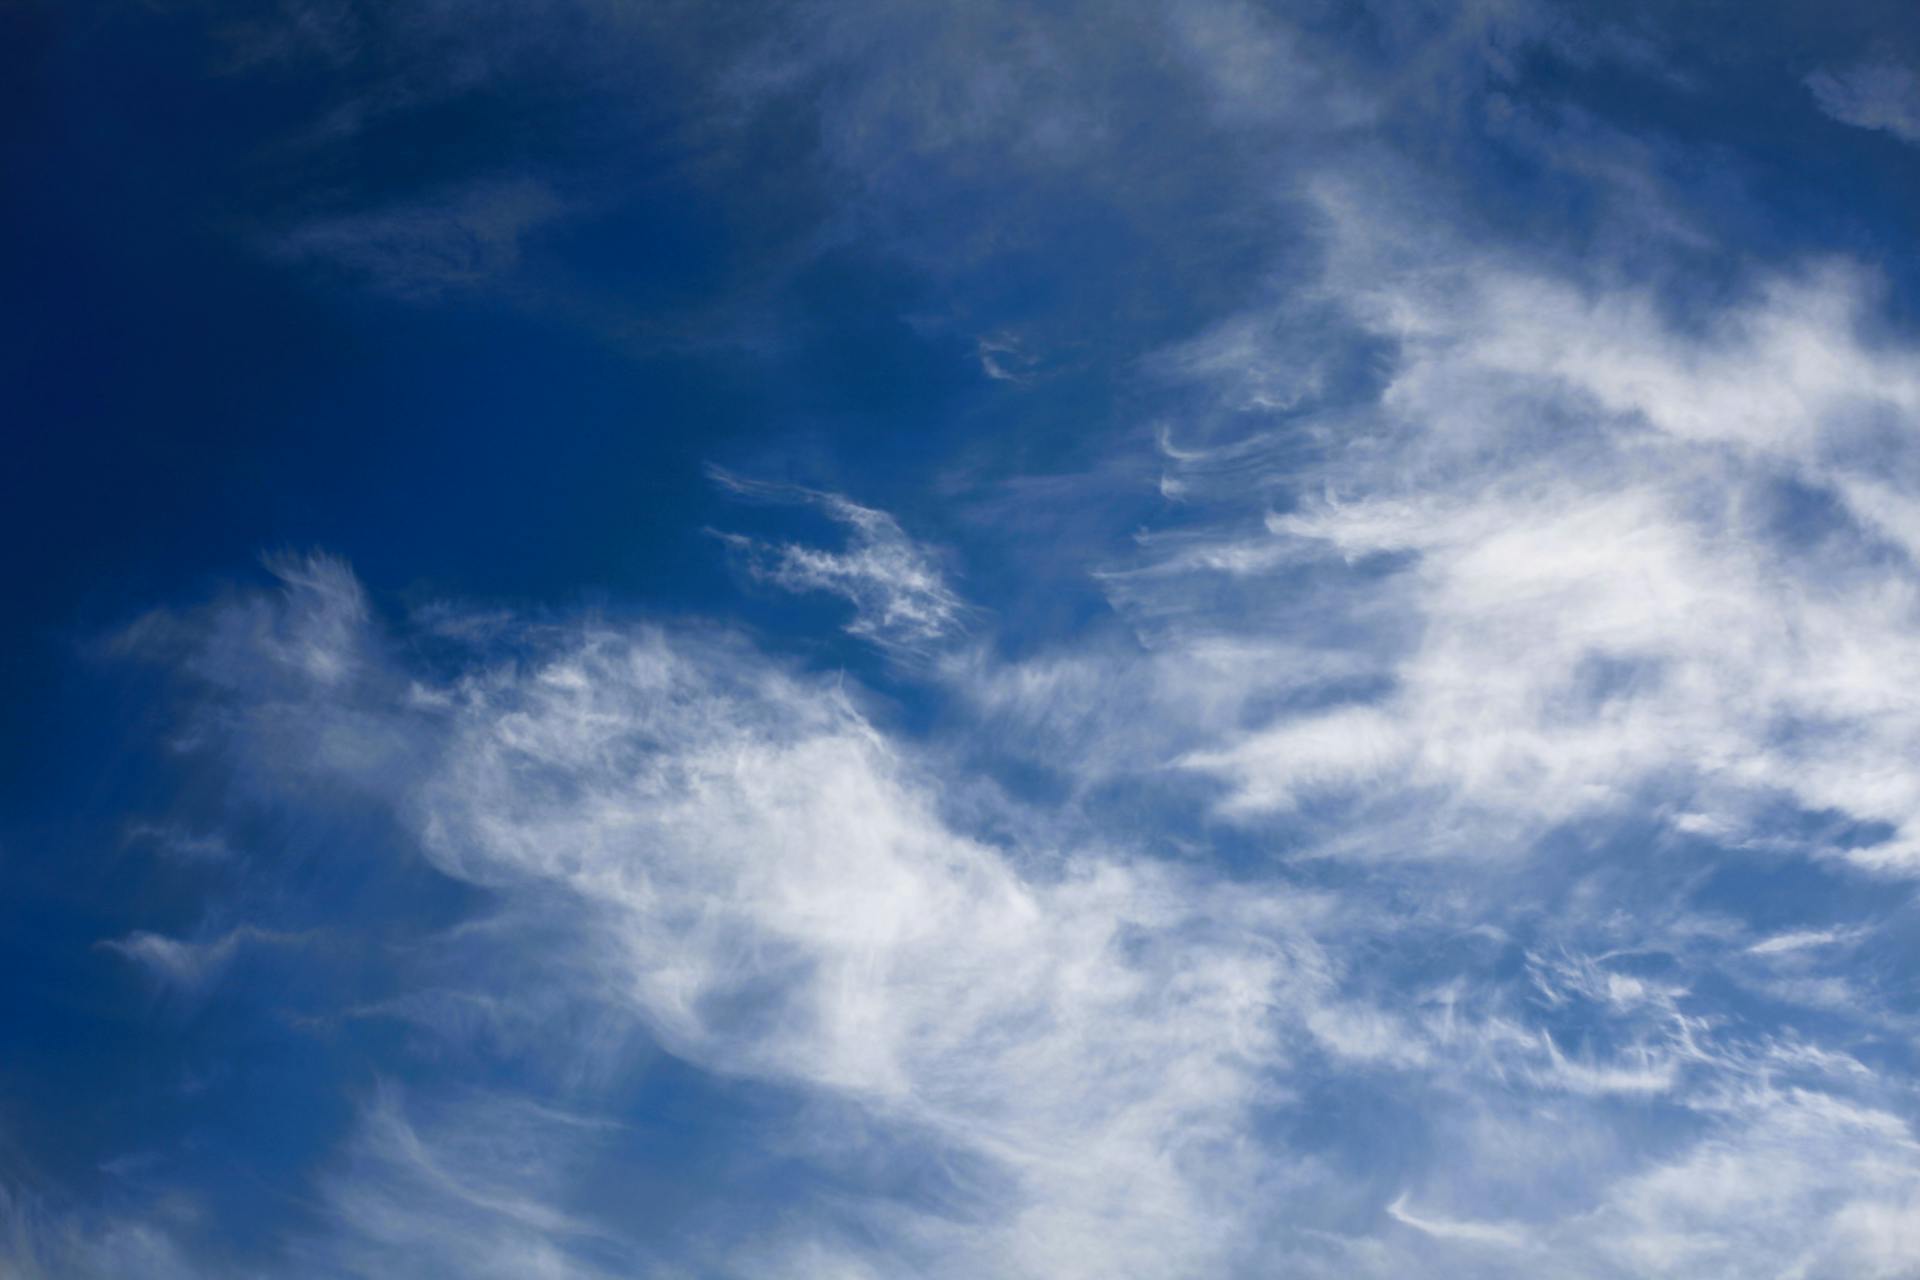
[(1154, 638)]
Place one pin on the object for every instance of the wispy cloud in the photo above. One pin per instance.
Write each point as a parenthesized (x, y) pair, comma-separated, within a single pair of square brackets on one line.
[(900, 596), (1804, 940), (765, 881), (474, 1190), (1871, 96), (1626, 598), (733, 856), (192, 965), (1456, 1229), (181, 843), (43, 1241), (1004, 358), (465, 238)]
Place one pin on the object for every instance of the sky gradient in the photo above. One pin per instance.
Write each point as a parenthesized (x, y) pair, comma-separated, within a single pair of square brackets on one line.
[(1160, 638)]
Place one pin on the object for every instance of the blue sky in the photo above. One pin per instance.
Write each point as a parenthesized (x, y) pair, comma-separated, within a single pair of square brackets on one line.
[(1191, 638)]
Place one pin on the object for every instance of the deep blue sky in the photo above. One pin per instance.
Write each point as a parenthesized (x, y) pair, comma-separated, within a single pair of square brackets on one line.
[(1185, 638)]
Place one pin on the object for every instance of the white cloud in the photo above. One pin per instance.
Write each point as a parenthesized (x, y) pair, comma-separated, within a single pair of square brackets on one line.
[(1273, 768), (1871, 96), (473, 1194), (900, 597), (801, 913), (1601, 589), (737, 858), (1803, 940), (1004, 358), (464, 238), (191, 966), (1457, 1229), (180, 843), (39, 1241), (767, 883), (1756, 1200)]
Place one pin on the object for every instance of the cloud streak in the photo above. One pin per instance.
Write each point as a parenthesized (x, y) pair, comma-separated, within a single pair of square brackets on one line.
[(1871, 96), (191, 966), (900, 597)]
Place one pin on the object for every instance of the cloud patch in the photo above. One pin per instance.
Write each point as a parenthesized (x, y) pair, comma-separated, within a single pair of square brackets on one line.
[(899, 593), (466, 238), (1878, 96)]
